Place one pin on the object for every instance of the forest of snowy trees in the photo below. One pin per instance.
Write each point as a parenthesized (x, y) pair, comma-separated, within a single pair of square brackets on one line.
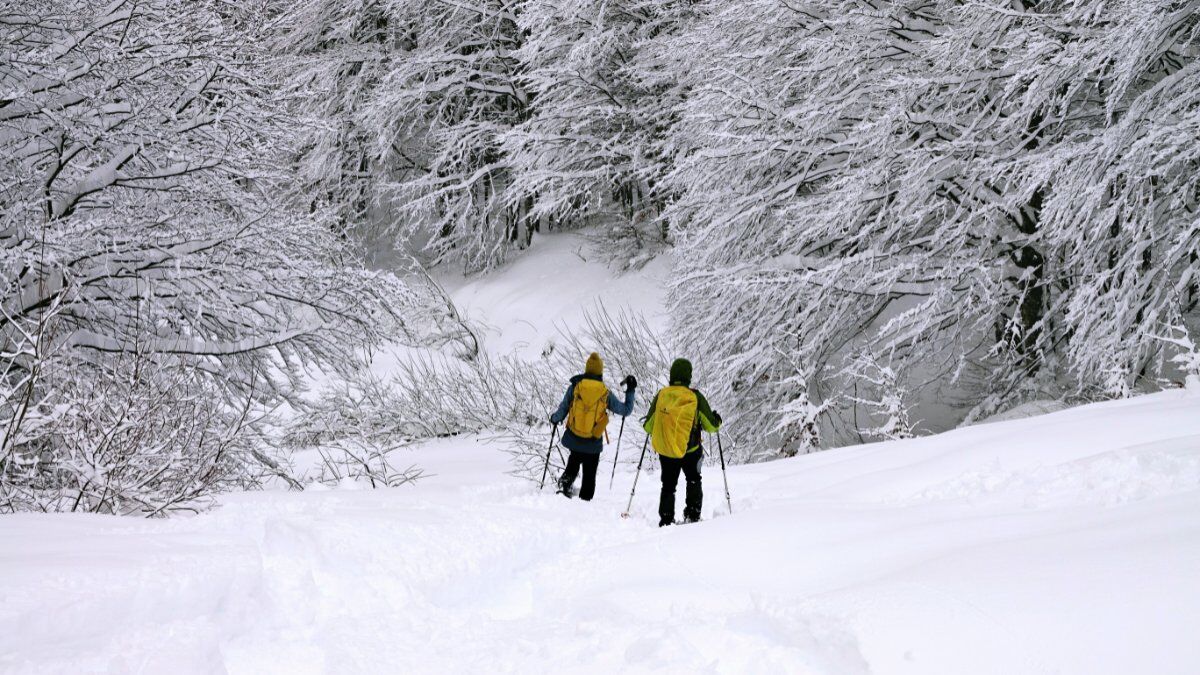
[(868, 205)]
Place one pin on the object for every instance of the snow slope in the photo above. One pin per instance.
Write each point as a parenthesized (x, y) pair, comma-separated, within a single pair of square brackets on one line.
[(523, 308), (1068, 543), (551, 287)]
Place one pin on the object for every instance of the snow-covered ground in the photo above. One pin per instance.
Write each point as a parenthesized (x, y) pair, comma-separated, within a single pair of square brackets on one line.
[(1066, 543)]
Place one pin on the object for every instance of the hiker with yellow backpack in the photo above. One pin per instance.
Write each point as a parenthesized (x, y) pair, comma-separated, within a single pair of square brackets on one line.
[(677, 415), (585, 408)]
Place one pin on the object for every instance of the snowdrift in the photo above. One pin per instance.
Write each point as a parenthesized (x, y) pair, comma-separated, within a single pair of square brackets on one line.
[(1067, 543)]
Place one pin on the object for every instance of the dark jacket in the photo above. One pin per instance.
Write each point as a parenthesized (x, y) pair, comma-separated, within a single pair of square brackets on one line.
[(592, 446)]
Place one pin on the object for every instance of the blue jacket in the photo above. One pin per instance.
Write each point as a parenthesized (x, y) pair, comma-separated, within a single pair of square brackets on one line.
[(591, 446)]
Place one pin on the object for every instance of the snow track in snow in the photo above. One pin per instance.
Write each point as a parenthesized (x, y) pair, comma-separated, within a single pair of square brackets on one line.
[(444, 578)]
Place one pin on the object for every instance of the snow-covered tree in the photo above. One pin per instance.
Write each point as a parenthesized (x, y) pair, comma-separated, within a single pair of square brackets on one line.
[(999, 196), (407, 101), (332, 55), (452, 89), (1120, 217), (159, 296), (591, 148), (463, 127)]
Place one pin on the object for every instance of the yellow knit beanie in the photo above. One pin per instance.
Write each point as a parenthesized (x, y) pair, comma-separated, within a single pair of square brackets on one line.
[(594, 365)]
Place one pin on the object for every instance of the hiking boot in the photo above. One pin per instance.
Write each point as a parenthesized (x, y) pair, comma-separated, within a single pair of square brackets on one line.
[(663, 522)]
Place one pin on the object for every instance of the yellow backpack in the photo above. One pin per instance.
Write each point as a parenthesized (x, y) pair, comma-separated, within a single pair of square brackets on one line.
[(588, 415), (674, 418)]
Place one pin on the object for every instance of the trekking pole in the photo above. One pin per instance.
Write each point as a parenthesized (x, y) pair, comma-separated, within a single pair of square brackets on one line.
[(550, 449), (635, 477), (617, 453), (721, 451)]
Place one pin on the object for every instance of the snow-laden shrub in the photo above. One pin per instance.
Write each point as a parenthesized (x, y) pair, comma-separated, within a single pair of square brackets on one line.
[(131, 434), (366, 463), (507, 398), (1187, 356), (629, 346), (885, 400)]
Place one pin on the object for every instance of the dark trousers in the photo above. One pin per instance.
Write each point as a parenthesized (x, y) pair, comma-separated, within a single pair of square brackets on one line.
[(589, 462), (689, 464)]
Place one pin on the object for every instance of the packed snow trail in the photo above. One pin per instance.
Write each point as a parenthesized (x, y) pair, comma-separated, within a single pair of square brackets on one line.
[(1068, 543), (467, 572)]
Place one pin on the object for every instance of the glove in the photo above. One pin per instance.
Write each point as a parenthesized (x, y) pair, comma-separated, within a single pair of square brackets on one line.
[(630, 382), (554, 419), (717, 417)]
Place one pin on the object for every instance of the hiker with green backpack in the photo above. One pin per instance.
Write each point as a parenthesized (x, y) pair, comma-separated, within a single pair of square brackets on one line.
[(585, 408), (677, 415)]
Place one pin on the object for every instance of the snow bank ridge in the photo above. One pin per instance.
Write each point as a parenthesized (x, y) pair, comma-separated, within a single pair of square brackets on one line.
[(1156, 469)]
